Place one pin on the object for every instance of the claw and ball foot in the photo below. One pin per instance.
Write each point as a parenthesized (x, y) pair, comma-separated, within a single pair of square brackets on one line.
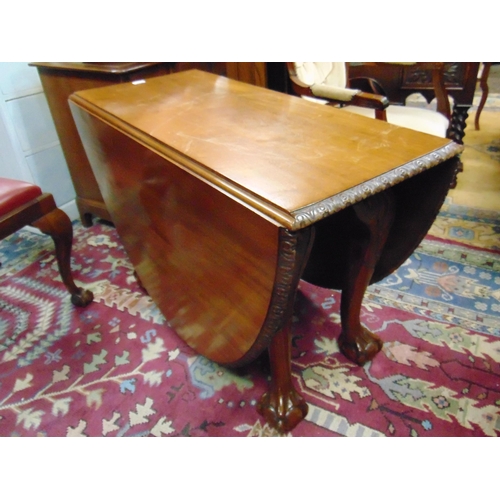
[(283, 411), (82, 298), (360, 348), (282, 406)]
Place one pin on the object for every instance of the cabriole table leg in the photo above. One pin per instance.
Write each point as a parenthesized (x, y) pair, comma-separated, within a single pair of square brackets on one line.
[(376, 214)]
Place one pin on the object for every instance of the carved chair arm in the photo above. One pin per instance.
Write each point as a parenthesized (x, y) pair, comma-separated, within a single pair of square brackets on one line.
[(377, 102), (372, 101)]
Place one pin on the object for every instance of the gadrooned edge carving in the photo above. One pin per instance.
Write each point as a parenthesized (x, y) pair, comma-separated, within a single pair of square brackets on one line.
[(313, 213), (294, 249)]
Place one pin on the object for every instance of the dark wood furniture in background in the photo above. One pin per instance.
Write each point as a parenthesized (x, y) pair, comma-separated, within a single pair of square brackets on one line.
[(23, 204), (225, 194), (369, 95), (399, 81), (255, 73)]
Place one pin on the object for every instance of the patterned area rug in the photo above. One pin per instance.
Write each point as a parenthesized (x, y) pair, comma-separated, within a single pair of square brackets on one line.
[(116, 369)]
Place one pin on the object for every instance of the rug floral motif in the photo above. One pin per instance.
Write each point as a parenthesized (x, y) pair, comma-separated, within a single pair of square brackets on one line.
[(117, 369)]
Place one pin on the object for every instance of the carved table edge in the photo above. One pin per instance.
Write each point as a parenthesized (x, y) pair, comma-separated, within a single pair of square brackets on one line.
[(309, 215)]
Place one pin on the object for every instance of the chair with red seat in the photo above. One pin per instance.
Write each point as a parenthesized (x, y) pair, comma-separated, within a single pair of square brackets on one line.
[(23, 204)]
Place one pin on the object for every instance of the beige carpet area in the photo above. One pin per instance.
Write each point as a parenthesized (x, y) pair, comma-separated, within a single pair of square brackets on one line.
[(478, 185)]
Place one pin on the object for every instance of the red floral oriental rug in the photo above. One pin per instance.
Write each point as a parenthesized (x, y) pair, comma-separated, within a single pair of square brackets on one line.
[(116, 369)]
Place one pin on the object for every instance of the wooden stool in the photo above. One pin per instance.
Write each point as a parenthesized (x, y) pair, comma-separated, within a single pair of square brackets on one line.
[(23, 204)]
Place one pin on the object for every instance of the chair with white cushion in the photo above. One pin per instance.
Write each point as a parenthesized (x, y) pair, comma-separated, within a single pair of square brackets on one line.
[(326, 83)]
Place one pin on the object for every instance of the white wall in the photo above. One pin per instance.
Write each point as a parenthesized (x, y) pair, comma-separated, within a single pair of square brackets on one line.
[(29, 146)]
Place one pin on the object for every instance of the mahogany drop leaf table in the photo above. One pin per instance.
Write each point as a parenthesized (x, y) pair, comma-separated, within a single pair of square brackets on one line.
[(225, 195)]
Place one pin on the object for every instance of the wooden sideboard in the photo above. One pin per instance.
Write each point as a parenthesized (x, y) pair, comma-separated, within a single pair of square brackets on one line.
[(59, 81)]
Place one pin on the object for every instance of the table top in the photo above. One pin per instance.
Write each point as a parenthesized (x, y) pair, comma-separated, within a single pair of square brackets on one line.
[(292, 161)]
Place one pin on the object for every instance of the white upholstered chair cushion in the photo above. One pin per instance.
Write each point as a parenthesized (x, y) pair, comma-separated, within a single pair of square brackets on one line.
[(325, 79), (419, 119)]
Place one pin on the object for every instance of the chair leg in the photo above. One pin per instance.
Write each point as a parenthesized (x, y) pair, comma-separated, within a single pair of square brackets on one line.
[(58, 226), (485, 90)]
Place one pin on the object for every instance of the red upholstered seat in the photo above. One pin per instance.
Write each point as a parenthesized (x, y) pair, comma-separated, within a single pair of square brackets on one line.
[(14, 194), (24, 204)]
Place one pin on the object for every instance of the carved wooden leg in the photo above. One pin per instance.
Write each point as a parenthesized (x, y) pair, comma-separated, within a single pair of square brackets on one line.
[(458, 122), (377, 214), (58, 226), (282, 406), (456, 132)]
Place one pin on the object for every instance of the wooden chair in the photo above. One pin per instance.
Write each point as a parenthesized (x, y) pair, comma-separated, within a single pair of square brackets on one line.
[(23, 204), (327, 83)]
